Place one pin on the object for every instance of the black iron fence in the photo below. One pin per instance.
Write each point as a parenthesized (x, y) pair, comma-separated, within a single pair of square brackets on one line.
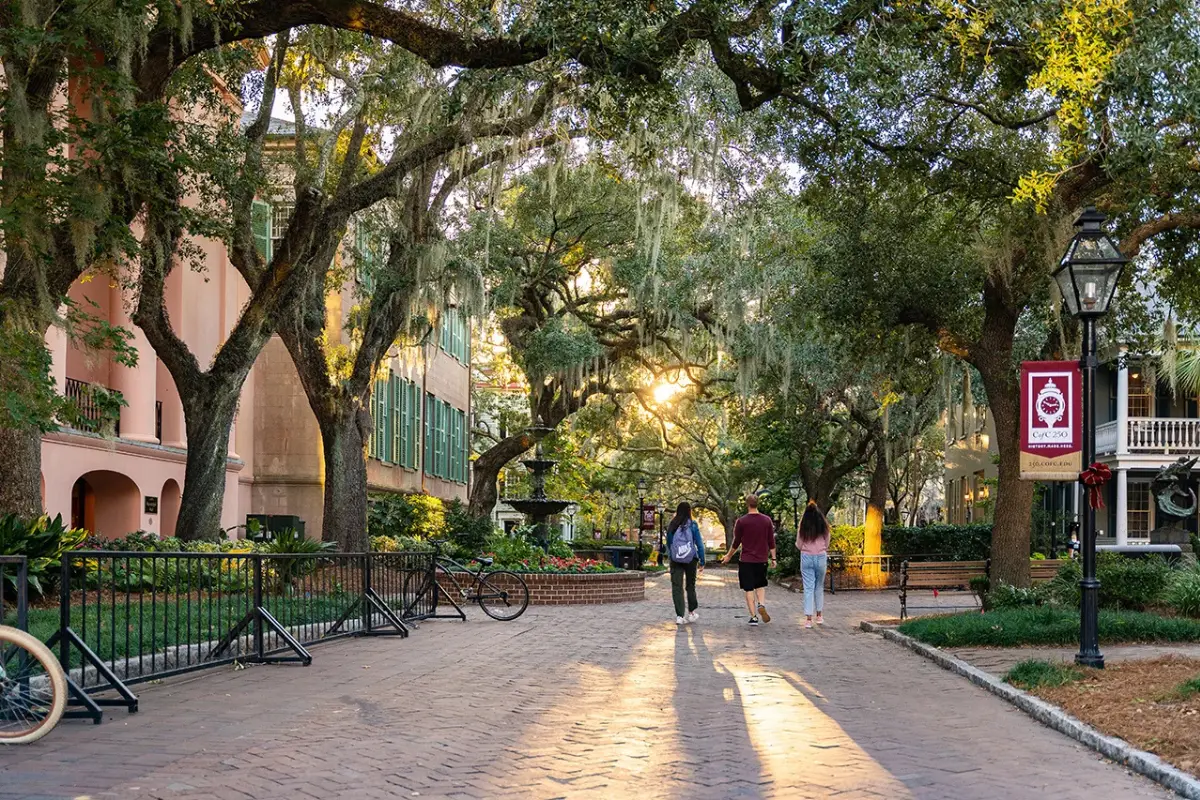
[(14, 583), (127, 617)]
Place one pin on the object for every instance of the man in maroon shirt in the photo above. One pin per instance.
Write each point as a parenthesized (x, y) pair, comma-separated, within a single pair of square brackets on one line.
[(754, 533)]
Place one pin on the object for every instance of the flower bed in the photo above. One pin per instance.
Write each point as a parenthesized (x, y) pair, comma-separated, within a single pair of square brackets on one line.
[(564, 589)]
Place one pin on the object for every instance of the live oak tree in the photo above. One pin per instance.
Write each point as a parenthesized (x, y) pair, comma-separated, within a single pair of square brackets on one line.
[(445, 133), (576, 280), (77, 174)]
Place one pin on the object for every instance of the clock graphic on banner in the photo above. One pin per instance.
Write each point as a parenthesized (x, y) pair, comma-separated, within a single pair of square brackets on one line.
[(1050, 404)]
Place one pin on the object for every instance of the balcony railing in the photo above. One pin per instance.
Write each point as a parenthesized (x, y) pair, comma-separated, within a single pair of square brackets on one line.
[(91, 415), (1164, 435), (1106, 438)]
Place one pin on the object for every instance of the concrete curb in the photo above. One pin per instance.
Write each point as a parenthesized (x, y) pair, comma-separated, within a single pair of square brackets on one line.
[(1110, 747)]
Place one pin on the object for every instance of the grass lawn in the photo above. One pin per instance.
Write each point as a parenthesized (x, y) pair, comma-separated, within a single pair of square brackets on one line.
[(116, 631), (1048, 625)]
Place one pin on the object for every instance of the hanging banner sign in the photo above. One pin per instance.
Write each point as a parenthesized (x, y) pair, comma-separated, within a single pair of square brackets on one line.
[(1051, 421), (647, 518)]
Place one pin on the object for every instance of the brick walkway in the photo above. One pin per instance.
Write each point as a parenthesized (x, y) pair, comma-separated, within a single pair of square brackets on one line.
[(592, 702)]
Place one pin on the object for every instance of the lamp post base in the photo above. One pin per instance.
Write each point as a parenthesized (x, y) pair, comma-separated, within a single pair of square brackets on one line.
[(1094, 661)]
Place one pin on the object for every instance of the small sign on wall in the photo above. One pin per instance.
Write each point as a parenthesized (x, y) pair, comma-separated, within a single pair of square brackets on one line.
[(1051, 421), (151, 505)]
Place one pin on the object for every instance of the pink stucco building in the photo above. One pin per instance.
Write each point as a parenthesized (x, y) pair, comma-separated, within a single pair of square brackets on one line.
[(132, 479)]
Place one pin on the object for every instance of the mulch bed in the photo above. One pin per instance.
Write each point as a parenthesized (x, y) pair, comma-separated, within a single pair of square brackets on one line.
[(1136, 701)]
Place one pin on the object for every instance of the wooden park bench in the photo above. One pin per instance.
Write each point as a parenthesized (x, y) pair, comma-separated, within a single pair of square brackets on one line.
[(937, 575), (958, 574), (1044, 570)]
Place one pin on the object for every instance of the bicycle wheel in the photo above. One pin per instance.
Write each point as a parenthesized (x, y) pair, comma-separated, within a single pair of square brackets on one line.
[(502, 595), (33, 689)]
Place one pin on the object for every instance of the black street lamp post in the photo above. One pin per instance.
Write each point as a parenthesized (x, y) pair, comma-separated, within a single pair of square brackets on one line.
[(794, 490), (641, 488), (1087, 277)]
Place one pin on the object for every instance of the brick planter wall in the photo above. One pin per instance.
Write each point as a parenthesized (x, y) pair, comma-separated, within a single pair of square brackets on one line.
[(570, 590)]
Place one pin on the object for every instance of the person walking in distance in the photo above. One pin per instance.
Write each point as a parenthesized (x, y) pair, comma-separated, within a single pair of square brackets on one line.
[(812, 540), (686, 551), (754, 533)]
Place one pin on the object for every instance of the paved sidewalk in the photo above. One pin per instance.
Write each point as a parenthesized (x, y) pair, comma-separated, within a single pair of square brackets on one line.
[(580, 702)]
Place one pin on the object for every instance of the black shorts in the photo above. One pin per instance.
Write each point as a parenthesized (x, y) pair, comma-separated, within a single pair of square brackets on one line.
[(752, 575)]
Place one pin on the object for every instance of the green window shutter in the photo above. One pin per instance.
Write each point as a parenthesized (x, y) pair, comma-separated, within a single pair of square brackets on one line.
[(374, 422), (402, 423), (260, 223), (453, 473), (387, 420), (441, 439), (414, 424), (429, 434), (397, 423)]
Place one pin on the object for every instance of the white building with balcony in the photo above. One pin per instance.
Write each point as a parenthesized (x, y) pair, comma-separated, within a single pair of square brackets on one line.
[(1141, 428)]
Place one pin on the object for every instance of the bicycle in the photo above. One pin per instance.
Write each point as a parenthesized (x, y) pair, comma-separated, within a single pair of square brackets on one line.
[(33, 688), (487, 589)]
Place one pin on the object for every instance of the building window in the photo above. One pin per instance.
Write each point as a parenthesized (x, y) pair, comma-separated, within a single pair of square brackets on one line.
[(260, 223), (281, 215), (368, 256), (452, 334), (1141, 397), (1137, 513)]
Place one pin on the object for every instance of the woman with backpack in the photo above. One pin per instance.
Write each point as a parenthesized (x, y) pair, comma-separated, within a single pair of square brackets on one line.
[(812, 540), (686, 551)]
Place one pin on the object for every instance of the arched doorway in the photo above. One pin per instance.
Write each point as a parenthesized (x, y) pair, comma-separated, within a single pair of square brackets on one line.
[(83, 505), (106, 503), (168, 507)]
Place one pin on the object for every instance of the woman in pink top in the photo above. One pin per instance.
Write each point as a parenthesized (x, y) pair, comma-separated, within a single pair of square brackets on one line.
[(812, 540)]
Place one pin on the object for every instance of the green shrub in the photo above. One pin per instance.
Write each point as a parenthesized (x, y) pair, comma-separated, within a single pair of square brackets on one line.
[(511, 549), (1031, 674), (415, 515), (1046, 625), (981, 586), (1127, 583), (399, 544), (947, 542), (466, 534), (1007, 596), (846, 539), (290, 542), (43, 541), (1183, 594)]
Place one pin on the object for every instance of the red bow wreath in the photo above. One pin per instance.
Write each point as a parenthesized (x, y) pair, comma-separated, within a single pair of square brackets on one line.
[(1094, 477)]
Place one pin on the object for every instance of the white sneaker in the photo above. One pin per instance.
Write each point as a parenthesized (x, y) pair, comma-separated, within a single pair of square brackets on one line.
[(692, 617), (679, 620)]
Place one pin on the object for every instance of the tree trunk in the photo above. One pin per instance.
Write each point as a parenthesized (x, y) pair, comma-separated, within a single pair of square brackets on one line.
[(486, 471), (209, 411), (21, 472), (343, 441), (873, 526), (992, 356)]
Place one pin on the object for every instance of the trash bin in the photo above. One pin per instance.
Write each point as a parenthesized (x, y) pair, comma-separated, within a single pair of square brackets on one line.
[(623, 557)]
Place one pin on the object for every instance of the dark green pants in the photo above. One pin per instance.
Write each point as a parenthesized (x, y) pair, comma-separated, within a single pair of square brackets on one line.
[(679, 572)]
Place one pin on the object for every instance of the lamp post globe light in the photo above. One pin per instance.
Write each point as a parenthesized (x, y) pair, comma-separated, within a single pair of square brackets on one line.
[(794, 491), (1087, 277)]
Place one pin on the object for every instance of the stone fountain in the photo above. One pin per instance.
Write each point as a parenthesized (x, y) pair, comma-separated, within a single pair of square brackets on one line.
[(537, 507)]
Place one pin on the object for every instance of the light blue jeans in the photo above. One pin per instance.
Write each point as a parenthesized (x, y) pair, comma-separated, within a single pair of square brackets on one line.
[(812, 569)]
